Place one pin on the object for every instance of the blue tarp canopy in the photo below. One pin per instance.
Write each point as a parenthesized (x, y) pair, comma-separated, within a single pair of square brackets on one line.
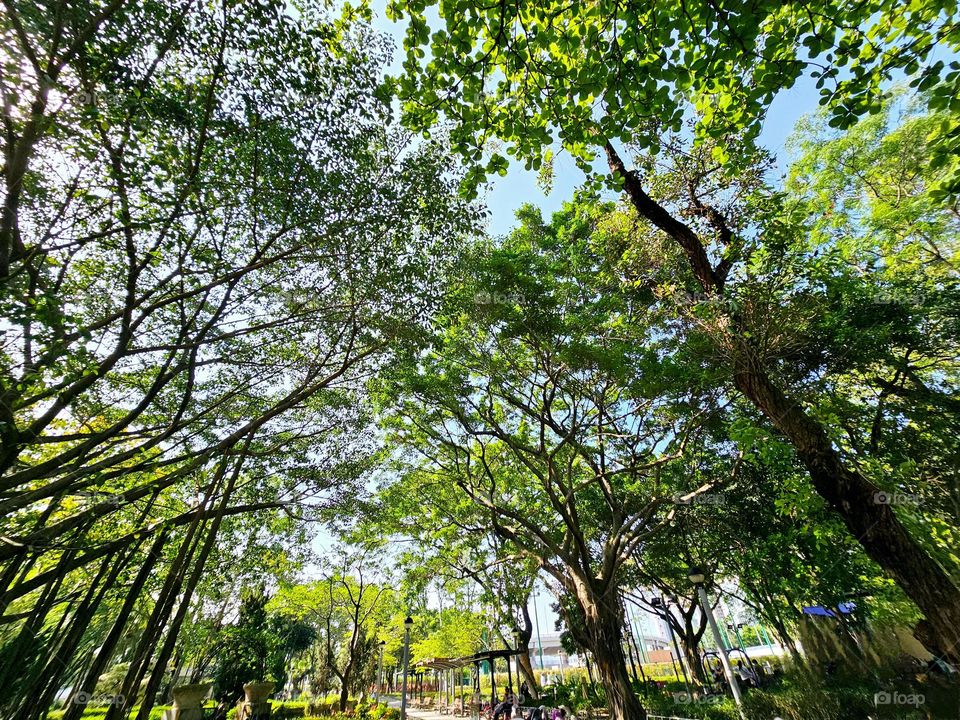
[(845, 608)]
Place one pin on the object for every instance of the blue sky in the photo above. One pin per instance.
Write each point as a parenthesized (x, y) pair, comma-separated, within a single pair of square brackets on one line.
[(506, 194), (519, 186)]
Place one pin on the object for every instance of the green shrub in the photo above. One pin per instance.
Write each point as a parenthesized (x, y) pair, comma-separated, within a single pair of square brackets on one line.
[(660, 671), (287, 709), (363, 711), (576, 693), (802, 697), (376, 711), (675, 703), (820, 704), (98, 712)]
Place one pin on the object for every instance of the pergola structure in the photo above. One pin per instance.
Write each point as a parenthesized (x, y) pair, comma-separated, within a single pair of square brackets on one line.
[(490, 657), (449, 675), (444, 670)]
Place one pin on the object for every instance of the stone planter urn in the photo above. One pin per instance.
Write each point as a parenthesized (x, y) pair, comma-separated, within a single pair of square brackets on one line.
[(258, 692), (187, 702), (255, 705)]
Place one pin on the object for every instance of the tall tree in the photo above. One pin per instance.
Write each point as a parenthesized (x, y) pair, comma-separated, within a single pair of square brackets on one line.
[(343, 608), (255, 648), (450, 553), (210, 236), (583, 74), (536, 416), (602, 78)]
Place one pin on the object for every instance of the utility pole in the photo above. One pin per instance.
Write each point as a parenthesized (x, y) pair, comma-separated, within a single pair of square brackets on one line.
[(697, 577), (407, 624), (376, 691), (536, 622)]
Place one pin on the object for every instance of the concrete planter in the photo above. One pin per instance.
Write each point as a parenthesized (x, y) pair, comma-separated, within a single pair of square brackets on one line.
[(188, 702), (256, 693), (190, 695)]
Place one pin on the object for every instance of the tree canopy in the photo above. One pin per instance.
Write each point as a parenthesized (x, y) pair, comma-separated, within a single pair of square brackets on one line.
[(269, 386), (578, 75)]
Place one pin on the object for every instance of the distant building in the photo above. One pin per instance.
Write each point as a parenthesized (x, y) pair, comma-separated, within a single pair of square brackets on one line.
[(650, 633)]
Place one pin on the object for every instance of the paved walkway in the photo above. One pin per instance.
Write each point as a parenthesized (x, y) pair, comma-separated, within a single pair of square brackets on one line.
[(426, 714), (412, 712), (434, 715)]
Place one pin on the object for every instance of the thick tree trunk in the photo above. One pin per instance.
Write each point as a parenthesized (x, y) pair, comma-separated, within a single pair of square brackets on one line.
[(622, 702), (860, 503), (691, 658), (849, 493), (526, 670), (603, 620), (523, 659), (690, 642), (344, 694)]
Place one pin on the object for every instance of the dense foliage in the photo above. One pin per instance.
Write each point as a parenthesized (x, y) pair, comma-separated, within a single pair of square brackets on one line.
[(672, 98), (268, 389), (211, 236)]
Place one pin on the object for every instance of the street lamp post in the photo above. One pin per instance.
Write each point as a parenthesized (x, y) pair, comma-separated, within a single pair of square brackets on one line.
[(536, 621), (379, 686), (406, 665), (735, 626), (661, 604), (696, 576)]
